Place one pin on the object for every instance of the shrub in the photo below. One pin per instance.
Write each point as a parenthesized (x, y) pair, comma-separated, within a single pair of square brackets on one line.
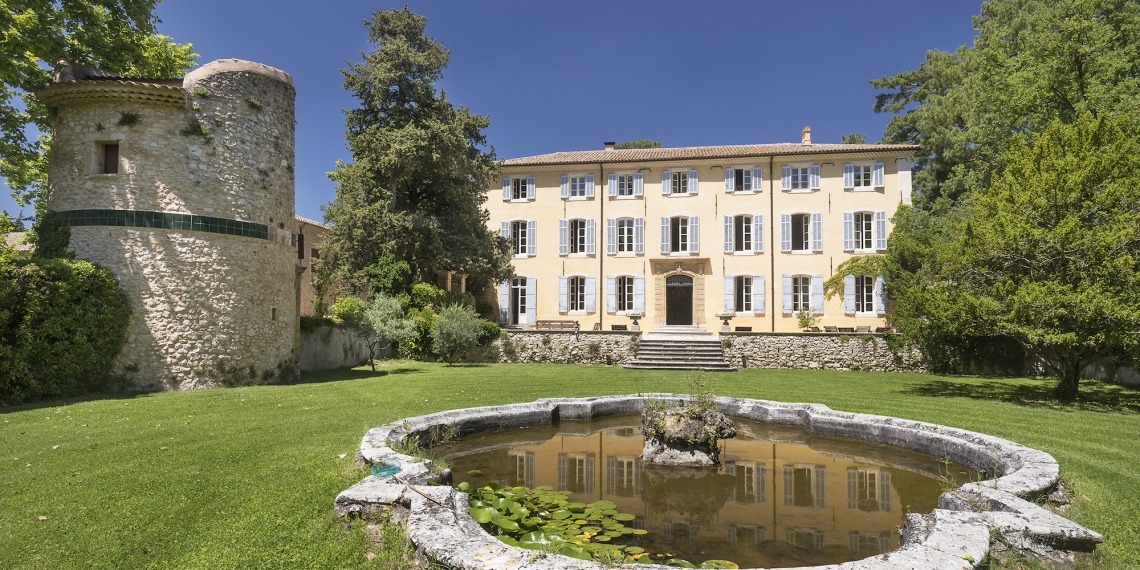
[(62, 323), (489, 332), (456, 330), (310, 323), (348, 310), (418, 346), (425, 295)]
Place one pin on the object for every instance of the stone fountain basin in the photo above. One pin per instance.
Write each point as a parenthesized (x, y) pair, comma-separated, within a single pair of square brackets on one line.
[(955, 535)]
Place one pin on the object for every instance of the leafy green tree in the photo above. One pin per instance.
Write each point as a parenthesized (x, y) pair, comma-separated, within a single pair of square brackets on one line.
[(116, 36), (456, 329), (853, 138), (376, 324), (638, 143), (1049, 256), (1032, 61), (416, 186)]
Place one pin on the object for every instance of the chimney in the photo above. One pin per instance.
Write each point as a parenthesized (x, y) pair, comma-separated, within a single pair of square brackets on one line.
[(609, 145), (805, 136)]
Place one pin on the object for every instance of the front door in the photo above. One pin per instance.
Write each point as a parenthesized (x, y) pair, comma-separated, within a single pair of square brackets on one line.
[(679, 300)]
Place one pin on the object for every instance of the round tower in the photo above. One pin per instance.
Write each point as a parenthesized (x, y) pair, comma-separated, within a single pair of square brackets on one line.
[(184, 188)]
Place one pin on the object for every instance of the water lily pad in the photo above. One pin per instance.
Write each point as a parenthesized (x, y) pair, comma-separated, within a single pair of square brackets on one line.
[(719, 564), (482, 515)]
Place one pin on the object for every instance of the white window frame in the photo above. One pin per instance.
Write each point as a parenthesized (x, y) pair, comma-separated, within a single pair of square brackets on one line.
[(801, 293), (577, 236), (746, 179), (626, 236), (800, 177), (674, 179), (516, 186), (863, 231), (626, 185), (520, 238), (680, 239), (624, 301), (576, 294), (577, 186), (863, 176)]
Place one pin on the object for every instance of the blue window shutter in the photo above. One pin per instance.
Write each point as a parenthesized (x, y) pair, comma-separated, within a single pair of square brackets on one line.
[(694, 234), (611, 236), (565, 187), (639, 294), (505, 230), (562, 293), (877, 175), (612, 185), (879, 300), (758, 179), (530, 188), (881, 231), (848, 231), (611, 294), (506, 189), (785, 232), (729, 180), (728, 234), (589, 185), (504, 301), (848, 176), (531, 246), (693, 182), (786, 294), (639, 235), (729, 294), (815, 177), (666, 182), (664, 235), (590, 236), (563, 237), (758, 233), (758, 294), (849, 294), (817, 294), (531, 299), (817, 232), (786, 178), (638, 184), (591, 295)]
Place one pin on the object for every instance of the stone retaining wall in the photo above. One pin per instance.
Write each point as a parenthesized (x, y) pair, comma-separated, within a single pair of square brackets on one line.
[(584, 347), (822, 351), (331, 348)]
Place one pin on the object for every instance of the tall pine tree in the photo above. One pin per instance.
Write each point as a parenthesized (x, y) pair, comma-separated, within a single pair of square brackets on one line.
[(415, 188)]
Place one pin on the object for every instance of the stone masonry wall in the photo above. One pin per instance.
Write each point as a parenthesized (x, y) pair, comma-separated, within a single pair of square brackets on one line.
[(586, 347), (821, 351)]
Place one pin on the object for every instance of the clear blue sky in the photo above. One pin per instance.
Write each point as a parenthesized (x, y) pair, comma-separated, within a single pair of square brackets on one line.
[(556, 76)]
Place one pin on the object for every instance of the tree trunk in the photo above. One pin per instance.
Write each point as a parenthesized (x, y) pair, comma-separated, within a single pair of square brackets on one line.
[(1068, 384)]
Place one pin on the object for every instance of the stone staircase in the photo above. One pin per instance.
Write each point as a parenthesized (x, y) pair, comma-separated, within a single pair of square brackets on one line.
[(680, 348)]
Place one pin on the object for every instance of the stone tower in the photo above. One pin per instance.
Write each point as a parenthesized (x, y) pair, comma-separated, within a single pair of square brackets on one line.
[(184, 188)]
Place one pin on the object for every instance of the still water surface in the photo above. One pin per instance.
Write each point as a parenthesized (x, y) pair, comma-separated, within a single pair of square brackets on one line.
[(781, 497)]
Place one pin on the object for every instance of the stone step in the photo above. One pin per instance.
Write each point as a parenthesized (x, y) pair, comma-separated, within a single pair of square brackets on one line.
[(705, 366), (680, 349)]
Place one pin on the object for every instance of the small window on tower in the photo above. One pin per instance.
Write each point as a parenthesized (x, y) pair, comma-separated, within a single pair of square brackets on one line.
[(108, 158)]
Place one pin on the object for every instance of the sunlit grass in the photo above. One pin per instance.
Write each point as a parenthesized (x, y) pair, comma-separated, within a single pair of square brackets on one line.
[(245, 477)]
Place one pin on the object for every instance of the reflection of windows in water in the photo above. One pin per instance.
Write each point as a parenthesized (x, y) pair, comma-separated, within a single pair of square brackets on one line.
[(868, 489), (680, 530), (746, 534), (869, 543), (804, 539), (637, 522), (750, 480), (804, 485), (625, 432), (524, 468), (576, 472), (623, 476)]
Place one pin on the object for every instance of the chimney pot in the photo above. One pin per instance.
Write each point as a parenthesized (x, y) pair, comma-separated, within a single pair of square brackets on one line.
[(805, 136), (609, 145)]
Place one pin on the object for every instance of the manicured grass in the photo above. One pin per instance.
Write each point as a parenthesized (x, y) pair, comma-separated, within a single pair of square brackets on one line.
[(245, 477)]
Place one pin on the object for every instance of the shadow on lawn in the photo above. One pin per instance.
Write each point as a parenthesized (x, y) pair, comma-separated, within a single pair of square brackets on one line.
[(353, 374), (1095, 396)]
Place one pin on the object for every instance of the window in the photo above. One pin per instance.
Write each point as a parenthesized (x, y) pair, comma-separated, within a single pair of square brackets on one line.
[(575, 237), (864, 231), (744, 294), (868, 490), (749, 481), (626, 184), (576, 294), (577, 186), (517, 300), (576, 472), (520, 235), (680, 234), (863, 295), (524, 468), (679, 182), (625, 235), (625, 294), (801, 232), (623, 476), (518, 188), (743, 286), (744, 233), (301, 246), (804, 486), (743, 179), (108, 158), (801, 293), (799, 177), (863, 176)]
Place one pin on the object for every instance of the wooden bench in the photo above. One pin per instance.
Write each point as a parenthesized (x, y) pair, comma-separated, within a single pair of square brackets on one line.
[(556, 325)]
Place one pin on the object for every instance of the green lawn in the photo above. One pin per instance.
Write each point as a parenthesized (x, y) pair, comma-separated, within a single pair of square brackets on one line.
[(245, 477)]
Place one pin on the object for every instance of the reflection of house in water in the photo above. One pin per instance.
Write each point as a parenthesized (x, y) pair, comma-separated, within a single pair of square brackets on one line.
[(814, 504)]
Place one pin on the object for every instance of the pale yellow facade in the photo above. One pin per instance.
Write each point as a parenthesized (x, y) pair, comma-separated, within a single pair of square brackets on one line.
[(682, 235)]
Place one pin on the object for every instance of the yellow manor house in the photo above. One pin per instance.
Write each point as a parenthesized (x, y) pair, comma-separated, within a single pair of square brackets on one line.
[(679, 236)]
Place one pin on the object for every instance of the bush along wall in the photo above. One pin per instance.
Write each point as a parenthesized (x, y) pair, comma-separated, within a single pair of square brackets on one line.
[(62, 323)]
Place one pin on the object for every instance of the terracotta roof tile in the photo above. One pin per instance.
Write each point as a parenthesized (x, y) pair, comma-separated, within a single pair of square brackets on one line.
[(701, 152)]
